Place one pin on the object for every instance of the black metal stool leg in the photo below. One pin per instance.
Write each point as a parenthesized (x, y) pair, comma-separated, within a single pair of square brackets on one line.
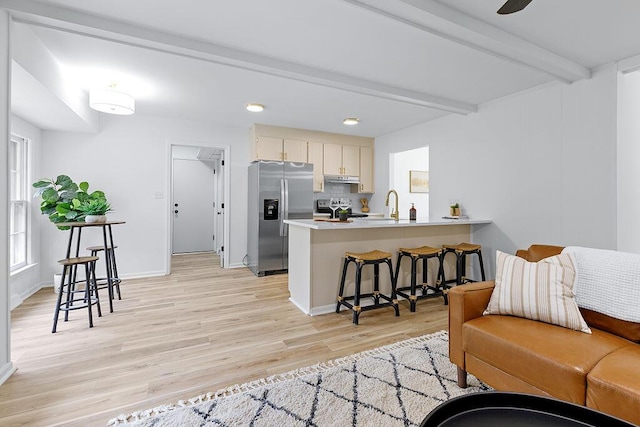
[(59, 301), (92, 270), (460, 262), (394, 296), (341, 292), (414, 272), (356, 298), (376, 284), (481, 265), (397, 275), (87, 293)]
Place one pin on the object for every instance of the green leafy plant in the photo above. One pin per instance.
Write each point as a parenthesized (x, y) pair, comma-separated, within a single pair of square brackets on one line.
[(65, 201), (92, 206), (455, 205)]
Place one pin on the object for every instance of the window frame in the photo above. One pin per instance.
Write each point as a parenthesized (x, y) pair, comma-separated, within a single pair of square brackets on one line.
[(19, 231)]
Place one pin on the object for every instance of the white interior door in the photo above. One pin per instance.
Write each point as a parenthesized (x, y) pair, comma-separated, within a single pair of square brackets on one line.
[(220, 207), (193, 206)]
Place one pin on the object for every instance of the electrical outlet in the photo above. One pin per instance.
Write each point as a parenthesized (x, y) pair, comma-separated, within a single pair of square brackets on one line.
[(159, 195)]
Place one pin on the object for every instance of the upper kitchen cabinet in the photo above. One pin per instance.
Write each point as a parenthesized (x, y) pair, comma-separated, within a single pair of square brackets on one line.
[(341, 160), (295, 151), (366, 170), (280, 149), (315, 156)]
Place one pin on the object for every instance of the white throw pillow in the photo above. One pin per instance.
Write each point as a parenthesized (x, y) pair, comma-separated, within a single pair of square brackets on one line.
[(537, 290)]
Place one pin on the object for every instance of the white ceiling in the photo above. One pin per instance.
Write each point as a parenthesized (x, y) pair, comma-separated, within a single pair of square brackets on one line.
[(391, 63)]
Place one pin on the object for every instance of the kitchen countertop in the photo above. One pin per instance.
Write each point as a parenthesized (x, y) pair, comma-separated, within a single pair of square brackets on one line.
[(355, 223)]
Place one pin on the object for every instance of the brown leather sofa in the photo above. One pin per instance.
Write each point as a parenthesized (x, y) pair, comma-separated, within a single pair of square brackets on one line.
[(601, 370)]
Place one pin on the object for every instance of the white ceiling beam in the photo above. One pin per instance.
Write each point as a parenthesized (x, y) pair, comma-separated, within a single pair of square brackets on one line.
[(78, 22), (448, 23)]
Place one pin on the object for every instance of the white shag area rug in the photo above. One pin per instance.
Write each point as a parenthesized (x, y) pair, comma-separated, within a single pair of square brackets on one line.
[(394, 385)]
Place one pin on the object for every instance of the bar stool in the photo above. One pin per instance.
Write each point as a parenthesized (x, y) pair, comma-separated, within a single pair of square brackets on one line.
[(423, 253), (376, 258), (103, 282), (73, 302), (461, 251)]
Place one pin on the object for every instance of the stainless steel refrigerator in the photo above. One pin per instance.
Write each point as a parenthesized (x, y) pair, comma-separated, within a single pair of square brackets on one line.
[(277, 191)]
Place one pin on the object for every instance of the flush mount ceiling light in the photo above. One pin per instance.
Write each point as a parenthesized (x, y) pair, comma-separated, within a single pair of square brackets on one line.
[(255, 108), (111, 101), (351, 121)]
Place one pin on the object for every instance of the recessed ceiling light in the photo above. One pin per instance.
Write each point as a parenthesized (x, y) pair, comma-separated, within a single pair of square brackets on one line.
[(351, 121), (255, 108)]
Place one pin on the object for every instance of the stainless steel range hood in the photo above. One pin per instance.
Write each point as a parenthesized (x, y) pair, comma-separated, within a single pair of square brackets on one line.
[(342, 179)]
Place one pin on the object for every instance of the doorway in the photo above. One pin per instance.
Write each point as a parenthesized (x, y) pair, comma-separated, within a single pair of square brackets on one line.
[(401, 166), (198, 189)]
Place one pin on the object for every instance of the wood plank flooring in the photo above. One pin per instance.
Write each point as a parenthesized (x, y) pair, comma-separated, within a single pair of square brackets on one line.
[(200, 329)]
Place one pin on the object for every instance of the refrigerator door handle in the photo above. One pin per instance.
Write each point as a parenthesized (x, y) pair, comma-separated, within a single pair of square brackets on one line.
[(282, 207), (285, 227)]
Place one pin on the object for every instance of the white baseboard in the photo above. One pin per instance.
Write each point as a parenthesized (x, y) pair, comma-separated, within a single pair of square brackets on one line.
[(6, 371), (300, 307), (237, 265), (325, 309)]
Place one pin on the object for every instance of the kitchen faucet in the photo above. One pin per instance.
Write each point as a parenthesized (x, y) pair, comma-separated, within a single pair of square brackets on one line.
[(394, 213)]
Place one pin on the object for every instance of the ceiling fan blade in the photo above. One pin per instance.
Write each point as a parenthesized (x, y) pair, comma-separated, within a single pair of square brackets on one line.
[(512, 6)]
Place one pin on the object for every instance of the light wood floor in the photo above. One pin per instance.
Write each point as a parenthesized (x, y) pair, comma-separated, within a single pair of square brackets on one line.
[(200, 329)]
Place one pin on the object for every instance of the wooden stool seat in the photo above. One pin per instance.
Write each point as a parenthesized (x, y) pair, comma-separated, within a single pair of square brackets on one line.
[(466, 247), (374, 258), (100, 248), (461, 250), (424, 253), (375, 255), (421, 251), (67, 262), (77, 299)]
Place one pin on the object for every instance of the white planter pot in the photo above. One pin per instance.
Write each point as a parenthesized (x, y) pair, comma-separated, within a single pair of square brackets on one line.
[(95, 218)]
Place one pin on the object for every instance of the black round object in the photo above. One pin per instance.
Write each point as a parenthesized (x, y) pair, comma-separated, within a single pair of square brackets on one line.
[(515, 410)]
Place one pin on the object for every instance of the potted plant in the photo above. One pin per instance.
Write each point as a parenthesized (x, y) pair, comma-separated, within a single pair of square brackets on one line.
[(93, 210), (64, 201), (455, 209), (343, 214)]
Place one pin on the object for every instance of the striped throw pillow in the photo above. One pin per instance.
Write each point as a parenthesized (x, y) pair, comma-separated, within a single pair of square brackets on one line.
[(541, 291)]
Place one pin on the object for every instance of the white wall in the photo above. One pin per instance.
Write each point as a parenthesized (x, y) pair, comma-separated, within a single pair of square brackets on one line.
[(129, 161), (26, 281), (541, 165), (629, 162)]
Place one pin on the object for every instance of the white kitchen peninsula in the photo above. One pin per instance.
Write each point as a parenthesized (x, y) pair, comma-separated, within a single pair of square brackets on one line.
[(316, 253)]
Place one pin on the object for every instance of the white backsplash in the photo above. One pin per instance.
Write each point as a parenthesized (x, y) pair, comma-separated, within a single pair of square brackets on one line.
[(334, 189)]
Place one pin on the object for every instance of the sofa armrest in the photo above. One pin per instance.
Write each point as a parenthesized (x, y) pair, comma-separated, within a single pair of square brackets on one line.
[(466, 302)]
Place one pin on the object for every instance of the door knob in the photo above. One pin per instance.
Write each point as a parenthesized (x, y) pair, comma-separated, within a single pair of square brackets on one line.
[(176, 211), (176, 205)]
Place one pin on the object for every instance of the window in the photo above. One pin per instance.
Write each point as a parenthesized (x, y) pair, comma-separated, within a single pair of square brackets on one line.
[(19, 205)]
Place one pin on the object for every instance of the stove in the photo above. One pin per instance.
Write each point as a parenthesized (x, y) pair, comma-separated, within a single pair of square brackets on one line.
[(322, 206)]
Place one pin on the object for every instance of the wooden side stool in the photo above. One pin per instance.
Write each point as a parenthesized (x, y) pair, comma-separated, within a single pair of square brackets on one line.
[(423, 253), (361, 259), (461, 251), (86, 298), (104, 282)]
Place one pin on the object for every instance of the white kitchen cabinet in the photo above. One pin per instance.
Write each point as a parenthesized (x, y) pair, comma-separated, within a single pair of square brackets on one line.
[(366, 170), (341, 159), (315, 156), (271, 148)]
